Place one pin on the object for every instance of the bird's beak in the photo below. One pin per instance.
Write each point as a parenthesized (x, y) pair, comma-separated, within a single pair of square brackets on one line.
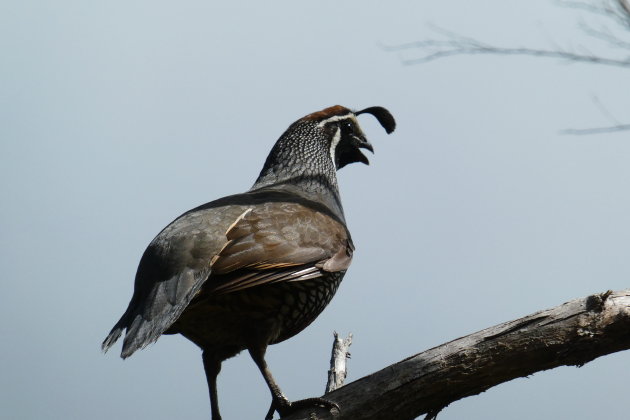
[(366, 145), (362, 143)]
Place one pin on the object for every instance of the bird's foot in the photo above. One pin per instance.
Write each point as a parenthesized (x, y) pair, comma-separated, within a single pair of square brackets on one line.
[(285, 407)]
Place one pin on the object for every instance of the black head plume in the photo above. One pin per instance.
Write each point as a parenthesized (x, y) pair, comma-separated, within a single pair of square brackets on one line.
[(382, 115)]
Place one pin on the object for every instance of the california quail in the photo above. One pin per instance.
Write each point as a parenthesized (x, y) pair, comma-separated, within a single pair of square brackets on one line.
[(256, 268)]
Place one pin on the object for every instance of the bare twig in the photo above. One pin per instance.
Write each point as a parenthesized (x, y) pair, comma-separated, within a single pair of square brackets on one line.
[(605, 35), (625, 7), (596, 130), (338, 367), (453, 44), (434, 49), (617, 11), (571, 334)]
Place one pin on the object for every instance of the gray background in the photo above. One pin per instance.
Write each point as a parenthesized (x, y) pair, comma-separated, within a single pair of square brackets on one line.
[(115, 117)]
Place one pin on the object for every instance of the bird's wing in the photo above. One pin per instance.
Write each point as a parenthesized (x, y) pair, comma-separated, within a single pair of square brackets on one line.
[(171, 272), (236, 247), (279, 242)]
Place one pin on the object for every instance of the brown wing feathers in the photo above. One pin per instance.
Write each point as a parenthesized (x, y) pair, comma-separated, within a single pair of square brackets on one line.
[(285, 242)]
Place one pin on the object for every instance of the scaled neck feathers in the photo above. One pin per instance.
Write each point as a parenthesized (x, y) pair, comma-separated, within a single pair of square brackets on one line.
[(303, 168)]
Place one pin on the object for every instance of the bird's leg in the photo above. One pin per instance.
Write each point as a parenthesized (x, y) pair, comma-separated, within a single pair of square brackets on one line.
[(212, 366), (279, 402)]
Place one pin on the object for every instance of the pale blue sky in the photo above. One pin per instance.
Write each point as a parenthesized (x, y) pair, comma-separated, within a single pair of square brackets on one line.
[(116, 117)]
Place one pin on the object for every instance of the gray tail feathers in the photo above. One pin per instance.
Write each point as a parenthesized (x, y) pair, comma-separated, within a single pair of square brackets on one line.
[(153, 309), (116, 332), (113, 336), (144, 324), (139, 334), (132, 321)]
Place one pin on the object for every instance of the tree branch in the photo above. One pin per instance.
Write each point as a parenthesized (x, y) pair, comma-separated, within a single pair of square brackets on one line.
[(570, 334), (338, 358), (467, 46)]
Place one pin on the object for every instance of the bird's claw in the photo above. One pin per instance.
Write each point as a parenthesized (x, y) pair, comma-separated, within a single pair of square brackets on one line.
[(286, 407)]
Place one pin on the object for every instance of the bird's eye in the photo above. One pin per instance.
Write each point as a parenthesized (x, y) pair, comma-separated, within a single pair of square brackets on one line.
[(347, 125)]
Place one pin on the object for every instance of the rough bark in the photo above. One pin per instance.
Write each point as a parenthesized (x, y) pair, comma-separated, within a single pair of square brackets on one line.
[(573, 333)]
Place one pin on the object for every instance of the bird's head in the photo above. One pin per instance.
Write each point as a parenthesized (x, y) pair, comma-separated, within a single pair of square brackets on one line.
[(342, 133), (313, 148)]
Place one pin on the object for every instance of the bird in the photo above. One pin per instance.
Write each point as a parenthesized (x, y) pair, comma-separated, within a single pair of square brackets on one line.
[(253, 269)]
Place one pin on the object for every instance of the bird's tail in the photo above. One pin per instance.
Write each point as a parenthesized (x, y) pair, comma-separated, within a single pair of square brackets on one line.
[(115, 333)]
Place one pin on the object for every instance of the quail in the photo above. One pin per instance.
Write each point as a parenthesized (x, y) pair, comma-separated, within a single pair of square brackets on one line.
[(254, 269)]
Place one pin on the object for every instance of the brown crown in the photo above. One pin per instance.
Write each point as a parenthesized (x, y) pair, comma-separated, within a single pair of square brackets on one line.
[(327, 113)]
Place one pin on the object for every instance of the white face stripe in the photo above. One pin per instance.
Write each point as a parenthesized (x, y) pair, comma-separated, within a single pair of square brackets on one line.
[(338, 118), (334, 143)]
